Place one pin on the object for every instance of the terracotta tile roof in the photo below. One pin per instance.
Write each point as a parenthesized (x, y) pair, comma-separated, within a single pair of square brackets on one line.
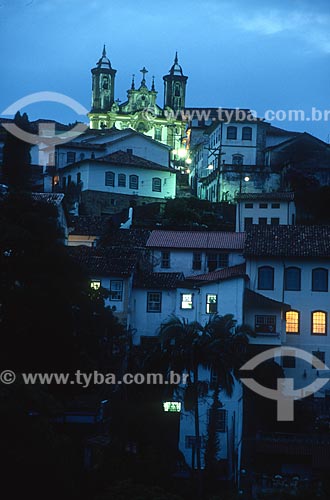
[(288, 241), (221, 275), (256, 300), (265, 196), (210, 240), (158, 280), (126, 238), (54, 199), (89, 225), (105, 262), (130, 160)]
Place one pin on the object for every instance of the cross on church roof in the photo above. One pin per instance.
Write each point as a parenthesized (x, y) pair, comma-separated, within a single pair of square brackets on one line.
[(143, 71)]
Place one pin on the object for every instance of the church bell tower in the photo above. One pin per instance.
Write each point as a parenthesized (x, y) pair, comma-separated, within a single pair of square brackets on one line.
[(175, 87), (103, 85)]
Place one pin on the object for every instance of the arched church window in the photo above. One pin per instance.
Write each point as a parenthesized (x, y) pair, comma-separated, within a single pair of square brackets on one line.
[(177, 90)]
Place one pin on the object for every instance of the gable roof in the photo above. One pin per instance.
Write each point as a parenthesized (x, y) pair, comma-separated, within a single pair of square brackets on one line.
[(276, 196), (221, 275), (287, 241), (130, 160), (209, 240)]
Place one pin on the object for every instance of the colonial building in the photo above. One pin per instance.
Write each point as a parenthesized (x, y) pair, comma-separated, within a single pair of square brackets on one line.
[(140, 111)]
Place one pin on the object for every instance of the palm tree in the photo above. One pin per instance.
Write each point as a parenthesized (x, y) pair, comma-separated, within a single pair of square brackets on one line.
[(219, 346)]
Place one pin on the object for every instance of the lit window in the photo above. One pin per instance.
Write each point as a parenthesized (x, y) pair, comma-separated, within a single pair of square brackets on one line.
[(220, 420), (211, 303), (265, 324), (197, 261), (156, 184), (292, 278), (266, 278), (292, 322), (95, 284), (186, 301), (122, 180), (109, 179), (320, 280), (134, 182), (165, 260), (247, 133), (319, 323), (232, 133), (116, 290), (172, 406), (154, 302)]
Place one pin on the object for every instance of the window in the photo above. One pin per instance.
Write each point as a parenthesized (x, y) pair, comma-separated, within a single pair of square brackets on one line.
[(217, 260), (165, 262), (319, 355), (265, 324), (275, 221), (154, 302), (292, 278), (78, 178), (95, 284), (186, 300), (266, 278), (319, 323), (247, 133), (197, 261), (292, 322), (158, 134), (109, 179), (232, 133), (289, 360), (248, 205), (211, 303), (1, 153), (121, 180), (263, 205), (64, 182), (238, 159), (69, 180), (262, 221), (156, 184), (116, 290), (220, 420), (191, 442), (134, 182), (248, 221), (70, 157), (275, 205), (320, 280)]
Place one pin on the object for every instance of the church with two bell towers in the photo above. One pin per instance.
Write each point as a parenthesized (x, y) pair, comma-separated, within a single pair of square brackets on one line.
[(140, 111)]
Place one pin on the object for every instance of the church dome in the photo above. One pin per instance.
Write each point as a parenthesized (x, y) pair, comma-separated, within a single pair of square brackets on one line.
[(104, 61), (176, 68)]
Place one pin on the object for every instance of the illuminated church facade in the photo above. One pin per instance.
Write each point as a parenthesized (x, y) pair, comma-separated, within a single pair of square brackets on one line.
[(141, 111)]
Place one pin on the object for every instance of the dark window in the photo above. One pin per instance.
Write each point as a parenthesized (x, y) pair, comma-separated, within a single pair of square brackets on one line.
[(292, 278), (156, 184), (247, 133), (217, 260), (70, 157), (319, 355), (289, 360), (263, 205), (78, 177), (292, 322), (154, 302), (238, 159), (211, 303), (275, 205), (220, 420), (63, 182), (262, 221), (165, 260), (116, 290), (320, 280), (266, 278), (319, 323), (69, 180), (232, 133), (158, 134), (265, 324), (109, 179), (197, 261), (121, 180), (275, 221), (191, 442), (248, 205), (134, 182), (248, 221)]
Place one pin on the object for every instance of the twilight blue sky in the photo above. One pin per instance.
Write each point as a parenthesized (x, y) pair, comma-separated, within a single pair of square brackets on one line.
[(257, 54)]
